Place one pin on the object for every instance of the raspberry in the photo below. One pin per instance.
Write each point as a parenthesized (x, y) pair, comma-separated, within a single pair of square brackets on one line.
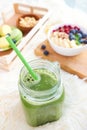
[(70, 27), (60, 29), (66, 31), (76, 28), (55, 30), (65, 27)]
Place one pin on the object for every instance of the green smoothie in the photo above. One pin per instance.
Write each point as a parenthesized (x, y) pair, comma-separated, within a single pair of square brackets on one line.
[(39, 111)]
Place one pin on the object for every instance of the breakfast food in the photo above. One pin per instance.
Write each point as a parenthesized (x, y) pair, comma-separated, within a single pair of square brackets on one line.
[(68, 36), (13, 32), (45, 51), (16, 34), (3, 43), (43, 46), (28, 21), (4, 29)]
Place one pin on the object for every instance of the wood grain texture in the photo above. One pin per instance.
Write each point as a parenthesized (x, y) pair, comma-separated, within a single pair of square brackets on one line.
[(74, 64)]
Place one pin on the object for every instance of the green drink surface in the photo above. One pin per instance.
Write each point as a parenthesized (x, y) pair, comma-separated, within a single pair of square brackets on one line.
[(47, 80)]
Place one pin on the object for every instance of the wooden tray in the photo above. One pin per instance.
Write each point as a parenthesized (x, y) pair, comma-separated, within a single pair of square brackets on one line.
[(75, 64), (10, 16)]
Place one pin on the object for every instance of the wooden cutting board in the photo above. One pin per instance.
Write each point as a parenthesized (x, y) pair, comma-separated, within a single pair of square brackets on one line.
[(74, 64)]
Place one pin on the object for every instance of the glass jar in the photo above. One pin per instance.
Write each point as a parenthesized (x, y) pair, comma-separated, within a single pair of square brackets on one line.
[(42, 100)]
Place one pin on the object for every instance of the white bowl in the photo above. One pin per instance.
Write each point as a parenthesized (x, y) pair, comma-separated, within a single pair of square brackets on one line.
[(62, 50)]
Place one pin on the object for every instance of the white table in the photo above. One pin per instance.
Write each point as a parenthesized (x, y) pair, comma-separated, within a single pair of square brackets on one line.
[(75, 106)]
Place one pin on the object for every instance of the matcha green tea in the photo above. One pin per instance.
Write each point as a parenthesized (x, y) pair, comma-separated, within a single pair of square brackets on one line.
[(42, 100)]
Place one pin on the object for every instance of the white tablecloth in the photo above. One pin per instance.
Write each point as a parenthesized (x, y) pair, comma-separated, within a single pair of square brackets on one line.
[(75, 105)]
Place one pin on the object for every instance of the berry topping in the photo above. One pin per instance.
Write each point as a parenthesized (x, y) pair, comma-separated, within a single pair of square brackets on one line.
[(81, 40), (71, 36), (73, 31), (60, 29), (66, 31), (46, 52), (79, 31), (76, 28), (85, 41), (43, 47), (65, 26), (84, 35), (79, 35), (70, 27)]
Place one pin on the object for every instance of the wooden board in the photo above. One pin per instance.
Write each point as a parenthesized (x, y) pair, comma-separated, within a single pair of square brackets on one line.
[(75, 64)]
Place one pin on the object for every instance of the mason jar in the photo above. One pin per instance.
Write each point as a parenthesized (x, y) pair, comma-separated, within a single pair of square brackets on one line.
[(42, 99)]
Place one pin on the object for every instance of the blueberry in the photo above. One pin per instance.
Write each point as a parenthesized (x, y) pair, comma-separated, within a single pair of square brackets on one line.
[(71, 36), (43, 46), (46, 52), (84, 35), (73, 31), (79, 31), (76, 31), (79, 35), (83, 41)]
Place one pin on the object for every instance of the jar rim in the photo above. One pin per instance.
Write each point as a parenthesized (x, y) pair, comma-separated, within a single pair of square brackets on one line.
[(44, 92)]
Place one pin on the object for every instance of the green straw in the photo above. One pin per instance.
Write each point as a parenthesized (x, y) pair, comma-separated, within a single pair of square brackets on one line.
[(33, 74)]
